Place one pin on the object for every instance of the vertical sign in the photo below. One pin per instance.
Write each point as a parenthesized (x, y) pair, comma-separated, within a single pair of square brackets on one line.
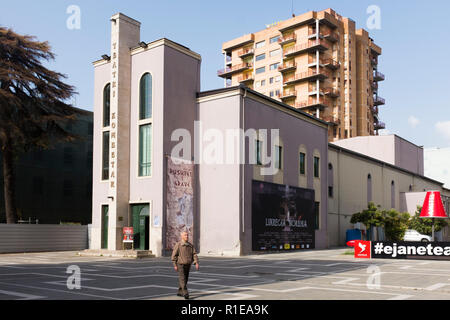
[(180, 200)]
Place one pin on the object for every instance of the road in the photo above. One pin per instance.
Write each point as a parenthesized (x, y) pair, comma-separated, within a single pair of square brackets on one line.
[(304, 275)]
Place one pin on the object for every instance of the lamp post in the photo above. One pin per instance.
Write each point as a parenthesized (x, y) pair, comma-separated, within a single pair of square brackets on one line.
[(433, 208)]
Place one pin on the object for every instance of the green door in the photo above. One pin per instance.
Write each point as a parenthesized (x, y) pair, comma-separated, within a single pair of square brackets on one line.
[(141, 226), (104, 224)]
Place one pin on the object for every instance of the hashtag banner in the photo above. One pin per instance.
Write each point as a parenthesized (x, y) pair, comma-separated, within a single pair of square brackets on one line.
[(403, 250)]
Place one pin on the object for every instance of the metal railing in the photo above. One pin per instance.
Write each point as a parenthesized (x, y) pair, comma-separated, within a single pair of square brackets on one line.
[(307, 45), (303, 75), (234, 68)]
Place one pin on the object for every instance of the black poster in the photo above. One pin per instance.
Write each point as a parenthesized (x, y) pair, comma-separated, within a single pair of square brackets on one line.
[(282, 217)]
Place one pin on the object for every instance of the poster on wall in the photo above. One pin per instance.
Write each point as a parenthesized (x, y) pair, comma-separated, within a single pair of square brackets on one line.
[(282, 217), (180, 200)]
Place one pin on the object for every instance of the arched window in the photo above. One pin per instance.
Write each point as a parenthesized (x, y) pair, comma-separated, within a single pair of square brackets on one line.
[(392, 194), (410, 188), (369, 188), (145, 98), (106, 104)]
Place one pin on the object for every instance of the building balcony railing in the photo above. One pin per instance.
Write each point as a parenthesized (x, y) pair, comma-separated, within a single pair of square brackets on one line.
[(313, 102), (374, 110), (245, 53), (374, 61), (374, 85), (287, 39), (331, 63), (228, 59), (234, 69), (306, 76), (379, 125), (378, 101), (246, 78), (378, 76), (330, 36), (332, 120), (285, 67), (310, 45), (332, 92), (287, 94)]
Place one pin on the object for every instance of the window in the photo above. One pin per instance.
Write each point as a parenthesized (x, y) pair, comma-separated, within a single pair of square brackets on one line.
[(274, 39), (317, 215), (260, 44), (145, 150), (260, 70), (392, 194), (271, 94), (271, 80), (302, 163), (263, 83), (278, 156), (260, 57), (274, 66), (145, 99), (105, 160), (106, 105), (316, 167), (330, 180), (369, 188), (275, 53), (258, 152)]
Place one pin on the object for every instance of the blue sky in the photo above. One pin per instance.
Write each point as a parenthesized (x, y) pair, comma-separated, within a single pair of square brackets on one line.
[(413, 35)]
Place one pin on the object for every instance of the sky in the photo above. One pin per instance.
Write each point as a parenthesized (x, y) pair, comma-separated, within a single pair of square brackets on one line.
[(413, 36)]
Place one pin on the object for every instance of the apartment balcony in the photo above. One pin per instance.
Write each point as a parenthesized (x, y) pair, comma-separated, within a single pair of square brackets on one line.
[(374, 110), (332, 120), (374, 61), (287, 94), (331, 64), (244, 53), (330, 36), (234, 69), (287, 39), (246, 79), (374, 85), (378, 76), (228, 59), (379, 125), (378, 101), (313, 103), (285, 67), (305, 76), (309, 46), (332, 92)]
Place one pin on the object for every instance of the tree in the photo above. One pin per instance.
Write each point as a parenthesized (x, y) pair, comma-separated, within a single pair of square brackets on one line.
[(371, 217), (32, 105), (424, 225), (395, 224)]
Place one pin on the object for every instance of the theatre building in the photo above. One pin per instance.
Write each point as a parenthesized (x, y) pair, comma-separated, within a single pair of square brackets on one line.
[(240, 171)]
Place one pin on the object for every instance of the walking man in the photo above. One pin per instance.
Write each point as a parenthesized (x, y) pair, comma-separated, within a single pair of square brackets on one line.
[(183, 255)]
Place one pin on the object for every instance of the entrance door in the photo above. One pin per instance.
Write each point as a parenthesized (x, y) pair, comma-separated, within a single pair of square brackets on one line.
[(141, 226), (104, 227)]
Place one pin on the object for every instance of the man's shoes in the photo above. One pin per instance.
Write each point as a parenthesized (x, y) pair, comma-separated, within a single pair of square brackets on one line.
[(186, 296)]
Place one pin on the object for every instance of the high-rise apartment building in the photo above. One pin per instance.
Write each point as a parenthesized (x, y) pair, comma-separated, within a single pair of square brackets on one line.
[(317, 62)]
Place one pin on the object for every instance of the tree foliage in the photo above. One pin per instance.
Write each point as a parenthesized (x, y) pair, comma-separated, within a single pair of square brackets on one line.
[(424, 225)]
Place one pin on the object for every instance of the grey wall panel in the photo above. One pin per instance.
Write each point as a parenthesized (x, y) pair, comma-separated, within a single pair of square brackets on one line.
[(41, 237)]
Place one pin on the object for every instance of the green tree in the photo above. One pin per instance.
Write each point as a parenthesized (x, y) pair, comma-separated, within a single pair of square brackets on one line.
[(32, 105), (424, 225), (370, 217), (395, 224)]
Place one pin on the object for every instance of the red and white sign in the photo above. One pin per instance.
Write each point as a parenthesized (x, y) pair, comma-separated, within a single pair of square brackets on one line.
[(351, 243), (432, 206), (128, 234), (363, 249)]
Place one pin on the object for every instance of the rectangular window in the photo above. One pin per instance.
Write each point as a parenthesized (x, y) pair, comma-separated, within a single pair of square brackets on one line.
[(274, 39), (302, 163), (260, 57), (317, 215), (274, 66), (260, 44), (271, 94), (316, 167), (263, 83), (275, 53), (330, 191), (260, 70), (278, 157), (105, 159), (271, 80), (145, 150), (258, 152)]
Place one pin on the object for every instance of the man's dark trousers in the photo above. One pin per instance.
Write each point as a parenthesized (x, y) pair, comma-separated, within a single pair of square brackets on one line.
[(183, 276)]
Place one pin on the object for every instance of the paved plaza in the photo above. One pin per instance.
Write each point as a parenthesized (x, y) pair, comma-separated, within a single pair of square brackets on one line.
[(305, 275)]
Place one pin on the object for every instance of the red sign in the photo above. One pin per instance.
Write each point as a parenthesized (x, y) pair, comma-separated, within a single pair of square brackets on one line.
[(128, 234), (432, 206), (362, 249)]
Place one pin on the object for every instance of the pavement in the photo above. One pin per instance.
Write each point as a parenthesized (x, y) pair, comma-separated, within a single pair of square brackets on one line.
[(301, 275)]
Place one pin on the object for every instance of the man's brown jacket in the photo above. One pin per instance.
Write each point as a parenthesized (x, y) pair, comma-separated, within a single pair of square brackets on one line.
[(184, 253)]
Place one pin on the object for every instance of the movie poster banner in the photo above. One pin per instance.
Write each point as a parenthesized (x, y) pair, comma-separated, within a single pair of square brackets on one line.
[(180, 199), (282, 217)]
